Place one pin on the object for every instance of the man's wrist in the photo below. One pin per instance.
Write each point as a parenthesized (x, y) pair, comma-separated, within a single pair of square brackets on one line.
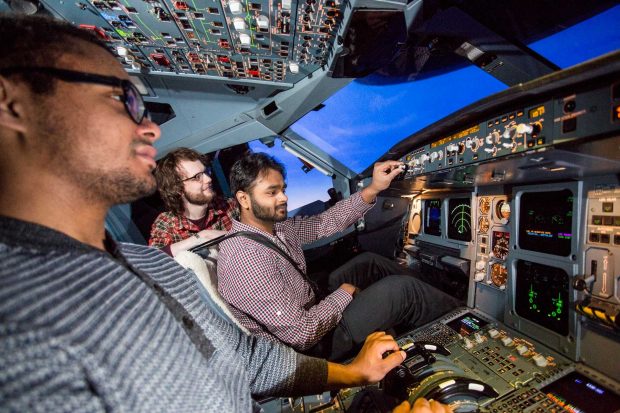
[(369, 194), (343, 375)]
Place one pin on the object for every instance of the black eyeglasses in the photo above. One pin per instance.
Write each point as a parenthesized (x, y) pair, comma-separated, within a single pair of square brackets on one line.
[(198, 177), (132, 99)]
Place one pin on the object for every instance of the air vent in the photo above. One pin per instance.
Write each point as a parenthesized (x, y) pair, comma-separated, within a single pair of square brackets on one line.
[(270, 109), (239, 89)]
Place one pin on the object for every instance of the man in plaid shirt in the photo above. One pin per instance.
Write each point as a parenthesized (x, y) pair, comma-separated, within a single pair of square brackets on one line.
[(194, 214), (273, 299)]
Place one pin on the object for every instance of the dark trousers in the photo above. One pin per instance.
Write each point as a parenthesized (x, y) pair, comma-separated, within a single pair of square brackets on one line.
[(386, 302)]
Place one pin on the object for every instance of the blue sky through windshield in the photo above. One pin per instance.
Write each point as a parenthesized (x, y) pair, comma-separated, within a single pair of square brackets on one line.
[(361, 122)]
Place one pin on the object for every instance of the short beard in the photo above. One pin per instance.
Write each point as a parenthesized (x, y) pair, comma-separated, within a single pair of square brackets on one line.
[(264, 214), (198, 199), (120, 187)]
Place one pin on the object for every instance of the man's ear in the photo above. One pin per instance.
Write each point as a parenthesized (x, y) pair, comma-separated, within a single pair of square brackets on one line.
[(243, 199), (11, 111)]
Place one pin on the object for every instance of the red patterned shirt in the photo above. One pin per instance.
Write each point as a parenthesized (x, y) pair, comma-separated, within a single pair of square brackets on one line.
[(256, 280), (169, 228)]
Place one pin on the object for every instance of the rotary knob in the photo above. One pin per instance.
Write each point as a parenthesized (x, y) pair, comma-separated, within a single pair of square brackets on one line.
[(493, 333), (434, 156), (540, 360), (521, 349), (479, 276), (506, 341), (481, 265), (468, 343), (524, 128)]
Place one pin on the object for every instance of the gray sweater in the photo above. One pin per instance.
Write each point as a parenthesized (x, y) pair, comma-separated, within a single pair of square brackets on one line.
[(124, 331)]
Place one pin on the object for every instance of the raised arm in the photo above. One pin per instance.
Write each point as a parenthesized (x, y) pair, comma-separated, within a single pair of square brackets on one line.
[(347, 211)]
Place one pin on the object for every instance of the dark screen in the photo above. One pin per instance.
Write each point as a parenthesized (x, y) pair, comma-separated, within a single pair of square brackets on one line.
[(459, 219), (546, 221), (577, 393), (466, 324), (432, 216), (542, 295)]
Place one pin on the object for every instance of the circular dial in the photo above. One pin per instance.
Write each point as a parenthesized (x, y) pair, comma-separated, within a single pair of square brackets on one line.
[(499, 274), (416, 223), (483, 224), (485, 205), (502, 210), (501, 244)]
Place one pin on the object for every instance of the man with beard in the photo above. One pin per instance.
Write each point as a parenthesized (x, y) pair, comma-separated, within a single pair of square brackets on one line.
[(195, 214), (88, 324), (262, 275)]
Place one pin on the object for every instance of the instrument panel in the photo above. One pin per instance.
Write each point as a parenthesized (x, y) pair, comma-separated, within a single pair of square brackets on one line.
[(474, 363)]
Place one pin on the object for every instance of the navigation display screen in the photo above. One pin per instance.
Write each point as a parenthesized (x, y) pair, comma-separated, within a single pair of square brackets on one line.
[(579, 394), (546, 222), (542, 295), (467, 324), (459, 219), (432, 216)]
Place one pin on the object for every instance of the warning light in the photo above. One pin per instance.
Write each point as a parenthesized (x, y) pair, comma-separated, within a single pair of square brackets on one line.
[(617, 113)]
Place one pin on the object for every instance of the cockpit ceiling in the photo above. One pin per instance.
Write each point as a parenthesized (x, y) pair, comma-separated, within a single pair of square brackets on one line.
[(279, 42), (262, 40)]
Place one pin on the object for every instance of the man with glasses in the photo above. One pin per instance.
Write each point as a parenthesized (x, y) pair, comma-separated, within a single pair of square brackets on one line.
[(88, 324), (195, 214)]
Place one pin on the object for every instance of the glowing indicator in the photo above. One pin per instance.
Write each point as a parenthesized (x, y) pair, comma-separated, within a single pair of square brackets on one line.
[(531, 298), (557, 305), (536, 112), (456, 136)]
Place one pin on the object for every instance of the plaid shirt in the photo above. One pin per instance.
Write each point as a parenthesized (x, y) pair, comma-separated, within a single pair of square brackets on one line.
[(256, 280), (169, 228)]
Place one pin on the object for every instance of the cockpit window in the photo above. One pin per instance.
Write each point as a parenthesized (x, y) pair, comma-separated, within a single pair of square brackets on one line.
[(361, 122)]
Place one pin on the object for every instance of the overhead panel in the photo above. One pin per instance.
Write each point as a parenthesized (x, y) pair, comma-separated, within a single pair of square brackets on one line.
[(278, 41)]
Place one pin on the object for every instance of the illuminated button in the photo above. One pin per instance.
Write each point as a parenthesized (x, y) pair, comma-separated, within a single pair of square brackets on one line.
[(239, 23), (244, 38), (235, 6), (597, 219), (540, 141), (608, 220), (540, 360), (616, 221), (616, 113), (608, 207), (262, 22), (521, 349), (507, 341), (616, 239), (293, 67), (605, 238), (594, 237)]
